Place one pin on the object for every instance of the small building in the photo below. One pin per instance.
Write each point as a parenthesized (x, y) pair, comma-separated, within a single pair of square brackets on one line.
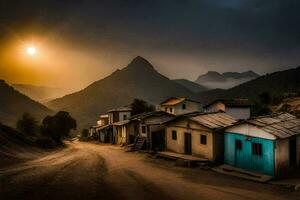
[(179, 106), (238, 108), (268, 145), (198, 134), (119, 114), (103, 120), (126, 131), (151, 126)]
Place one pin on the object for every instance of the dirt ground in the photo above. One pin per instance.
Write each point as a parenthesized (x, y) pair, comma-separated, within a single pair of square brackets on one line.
[(96, 171)]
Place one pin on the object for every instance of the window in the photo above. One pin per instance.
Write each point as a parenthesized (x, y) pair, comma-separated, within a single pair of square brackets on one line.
[(183, 106), (238, 144), (166, 109), (124, 117), (257, 149), (174, 135), (171, 110), (144, 129), (203, 139)]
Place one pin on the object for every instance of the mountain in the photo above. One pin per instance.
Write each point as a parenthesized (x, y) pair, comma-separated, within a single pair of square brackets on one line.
[(192, 86), (237, 75), (213, 80), (40, 93), (276, 84), (14, 104), (138, 80)]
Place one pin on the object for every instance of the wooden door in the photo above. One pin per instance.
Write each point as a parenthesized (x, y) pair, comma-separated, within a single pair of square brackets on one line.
[(188, 143)]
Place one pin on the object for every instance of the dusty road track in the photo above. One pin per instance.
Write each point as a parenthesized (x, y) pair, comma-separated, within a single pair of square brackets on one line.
[(91, 171)]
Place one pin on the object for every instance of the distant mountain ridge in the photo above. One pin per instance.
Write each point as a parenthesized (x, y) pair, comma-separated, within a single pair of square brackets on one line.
[(40, 93), (14, 104), (192, 86), (138, 80), (213, 79), (277, 83)]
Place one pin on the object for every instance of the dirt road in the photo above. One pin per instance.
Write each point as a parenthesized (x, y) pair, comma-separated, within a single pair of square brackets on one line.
[(94, 171)]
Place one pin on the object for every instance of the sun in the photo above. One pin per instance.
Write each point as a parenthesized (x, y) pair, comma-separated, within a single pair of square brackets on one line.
[(31, 50)]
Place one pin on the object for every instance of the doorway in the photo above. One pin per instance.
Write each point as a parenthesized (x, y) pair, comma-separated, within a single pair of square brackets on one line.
[(188, 143), (293, 151)]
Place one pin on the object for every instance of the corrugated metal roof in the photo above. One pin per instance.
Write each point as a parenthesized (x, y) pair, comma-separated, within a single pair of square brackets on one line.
[(120, 109), (282, 125), (150, 114), (214, 120)]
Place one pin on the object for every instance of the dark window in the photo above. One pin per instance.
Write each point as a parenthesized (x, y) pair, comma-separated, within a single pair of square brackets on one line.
[(135, 128), (124, 117), (183, 106), (203, 139), (257, 149), (143, 129), (166, 109), (171, 109), (238, 144), (174, 135)]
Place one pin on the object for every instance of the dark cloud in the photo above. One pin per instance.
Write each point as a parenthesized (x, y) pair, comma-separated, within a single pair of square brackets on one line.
[(229, 33)]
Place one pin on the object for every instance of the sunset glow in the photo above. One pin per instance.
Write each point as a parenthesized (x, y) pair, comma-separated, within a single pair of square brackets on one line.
[(31, 50)]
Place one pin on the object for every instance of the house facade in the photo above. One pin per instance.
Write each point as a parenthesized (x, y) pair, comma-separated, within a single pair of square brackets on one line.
[(268, 145), (179, 106), (198, 134), (151, 127), (119, 114), (238, 108)]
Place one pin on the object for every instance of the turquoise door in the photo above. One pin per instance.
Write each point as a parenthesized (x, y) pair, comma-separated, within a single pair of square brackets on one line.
[(249, 153)]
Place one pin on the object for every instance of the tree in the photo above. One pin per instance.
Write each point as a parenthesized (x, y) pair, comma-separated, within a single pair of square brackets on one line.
[(140, 106), (58, 126), (27, 124)]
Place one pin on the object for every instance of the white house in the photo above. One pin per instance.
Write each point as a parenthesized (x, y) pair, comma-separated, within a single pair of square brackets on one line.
[(179, 106), (237, 108)]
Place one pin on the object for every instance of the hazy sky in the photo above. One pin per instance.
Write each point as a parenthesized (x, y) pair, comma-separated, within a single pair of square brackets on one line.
[(79, 41)]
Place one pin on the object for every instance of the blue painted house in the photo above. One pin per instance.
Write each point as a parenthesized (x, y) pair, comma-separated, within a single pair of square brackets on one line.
[(268, 145)]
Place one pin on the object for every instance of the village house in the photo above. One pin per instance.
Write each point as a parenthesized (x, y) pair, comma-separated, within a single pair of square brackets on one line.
[(198, 134), (119, 114), (107, 127), (151, 128), (238, 108), (126, 131), (179, 106), (103, 120), (268, 145)]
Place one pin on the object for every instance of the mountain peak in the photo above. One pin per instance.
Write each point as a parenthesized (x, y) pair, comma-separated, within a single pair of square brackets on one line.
[(140, 62)]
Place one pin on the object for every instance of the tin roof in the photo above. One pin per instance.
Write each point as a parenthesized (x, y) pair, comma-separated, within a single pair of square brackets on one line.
[(120, 109), (281, 125), (233, 102), (216, 120), (150, 114), (175, 101), (213, 120)]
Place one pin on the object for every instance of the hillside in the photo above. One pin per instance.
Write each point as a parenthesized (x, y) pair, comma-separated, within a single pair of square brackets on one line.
[(276, 84), (14, 104), (138, 80), (40, 93), (14, 146), (214, 80), (192, 86)]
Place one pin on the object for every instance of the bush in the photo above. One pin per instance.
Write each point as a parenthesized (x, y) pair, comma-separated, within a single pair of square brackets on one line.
[(58, 126), (27, 124)]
